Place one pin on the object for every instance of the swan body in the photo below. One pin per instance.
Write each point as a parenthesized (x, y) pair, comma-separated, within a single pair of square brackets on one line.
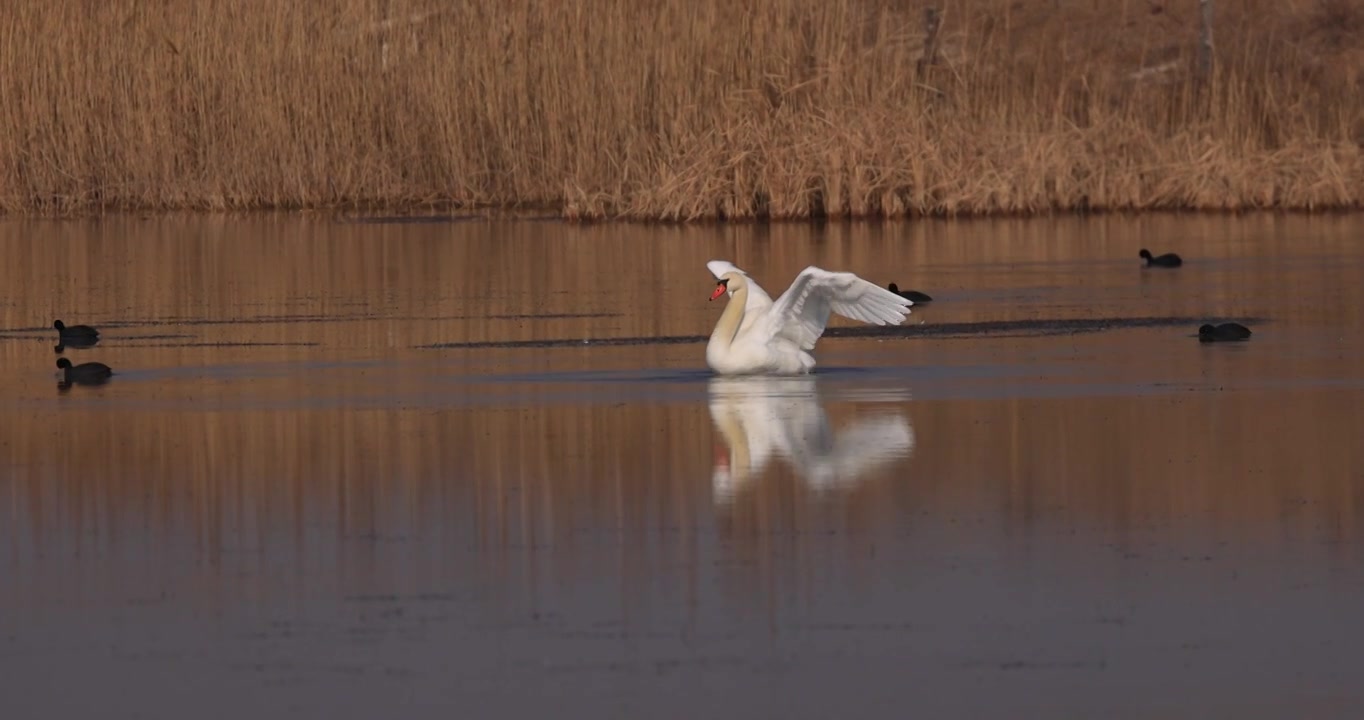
[(757, 335)]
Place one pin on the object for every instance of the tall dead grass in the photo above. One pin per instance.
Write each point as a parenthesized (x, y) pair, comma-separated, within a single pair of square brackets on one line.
[(679, 109)]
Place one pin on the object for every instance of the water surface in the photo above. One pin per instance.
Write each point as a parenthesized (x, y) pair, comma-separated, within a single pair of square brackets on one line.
[(479, 468)]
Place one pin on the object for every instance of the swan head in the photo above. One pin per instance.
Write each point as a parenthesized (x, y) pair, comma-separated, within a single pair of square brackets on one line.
[(730, 282)]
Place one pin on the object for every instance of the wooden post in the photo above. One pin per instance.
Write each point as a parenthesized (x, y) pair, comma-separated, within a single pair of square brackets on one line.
[(1205, 41), (932, 24)]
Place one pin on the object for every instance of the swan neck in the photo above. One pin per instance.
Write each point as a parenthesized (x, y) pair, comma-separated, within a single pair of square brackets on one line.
[(728, 327)]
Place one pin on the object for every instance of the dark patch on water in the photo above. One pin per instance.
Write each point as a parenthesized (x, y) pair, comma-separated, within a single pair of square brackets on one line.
[(938, 330), (27, 332), (547, 316), (5, 336), (168, 336), (658, 375), (227, 344)]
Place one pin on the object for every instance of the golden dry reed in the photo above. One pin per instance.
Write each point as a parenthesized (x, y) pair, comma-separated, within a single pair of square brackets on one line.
[(680, 109)]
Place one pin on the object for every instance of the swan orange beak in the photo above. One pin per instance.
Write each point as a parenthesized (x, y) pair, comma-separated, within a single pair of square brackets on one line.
[(719, 289)]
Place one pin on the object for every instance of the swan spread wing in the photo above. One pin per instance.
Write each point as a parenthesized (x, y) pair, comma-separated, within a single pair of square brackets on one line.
[(802, 312), (719, 267)]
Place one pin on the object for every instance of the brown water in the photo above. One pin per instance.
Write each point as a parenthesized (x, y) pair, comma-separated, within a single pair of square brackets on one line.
[(305, 494)]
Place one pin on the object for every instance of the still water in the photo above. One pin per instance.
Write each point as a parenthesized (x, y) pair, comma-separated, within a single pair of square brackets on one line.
[(479, 469)]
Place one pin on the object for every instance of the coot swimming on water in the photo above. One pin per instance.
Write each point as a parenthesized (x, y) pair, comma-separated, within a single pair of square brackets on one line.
[(911, 295), (1168, 260), (76, 336), (91, 373), (75, 331), (1223, 333)]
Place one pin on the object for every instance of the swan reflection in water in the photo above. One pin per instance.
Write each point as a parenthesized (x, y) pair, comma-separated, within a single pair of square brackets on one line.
[(764, 416)]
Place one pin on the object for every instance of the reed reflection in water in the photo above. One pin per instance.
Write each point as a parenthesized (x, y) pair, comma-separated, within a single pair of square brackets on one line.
[(291, 496)]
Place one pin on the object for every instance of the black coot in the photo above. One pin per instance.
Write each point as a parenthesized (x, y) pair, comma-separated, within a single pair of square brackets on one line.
[(1223, 333), (91, 373), (1168, 260), (76, 336), (911, 295)]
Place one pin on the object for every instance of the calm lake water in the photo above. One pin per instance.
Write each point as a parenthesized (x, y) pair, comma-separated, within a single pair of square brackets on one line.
[(479, 469)]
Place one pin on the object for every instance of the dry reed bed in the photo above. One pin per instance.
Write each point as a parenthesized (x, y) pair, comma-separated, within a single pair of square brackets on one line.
[(678, 109)]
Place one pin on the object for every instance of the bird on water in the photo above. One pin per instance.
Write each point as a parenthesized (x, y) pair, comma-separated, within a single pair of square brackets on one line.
[(75, 330), (1168, 260), (911, 295), (1226, 332), (91, 373), (76, 336)]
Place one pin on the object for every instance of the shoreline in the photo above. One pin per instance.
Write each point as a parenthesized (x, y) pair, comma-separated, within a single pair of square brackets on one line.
[(398, 214)]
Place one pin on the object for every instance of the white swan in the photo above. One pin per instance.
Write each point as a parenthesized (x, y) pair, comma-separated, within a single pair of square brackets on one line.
[(757, 335), (762, 417)]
